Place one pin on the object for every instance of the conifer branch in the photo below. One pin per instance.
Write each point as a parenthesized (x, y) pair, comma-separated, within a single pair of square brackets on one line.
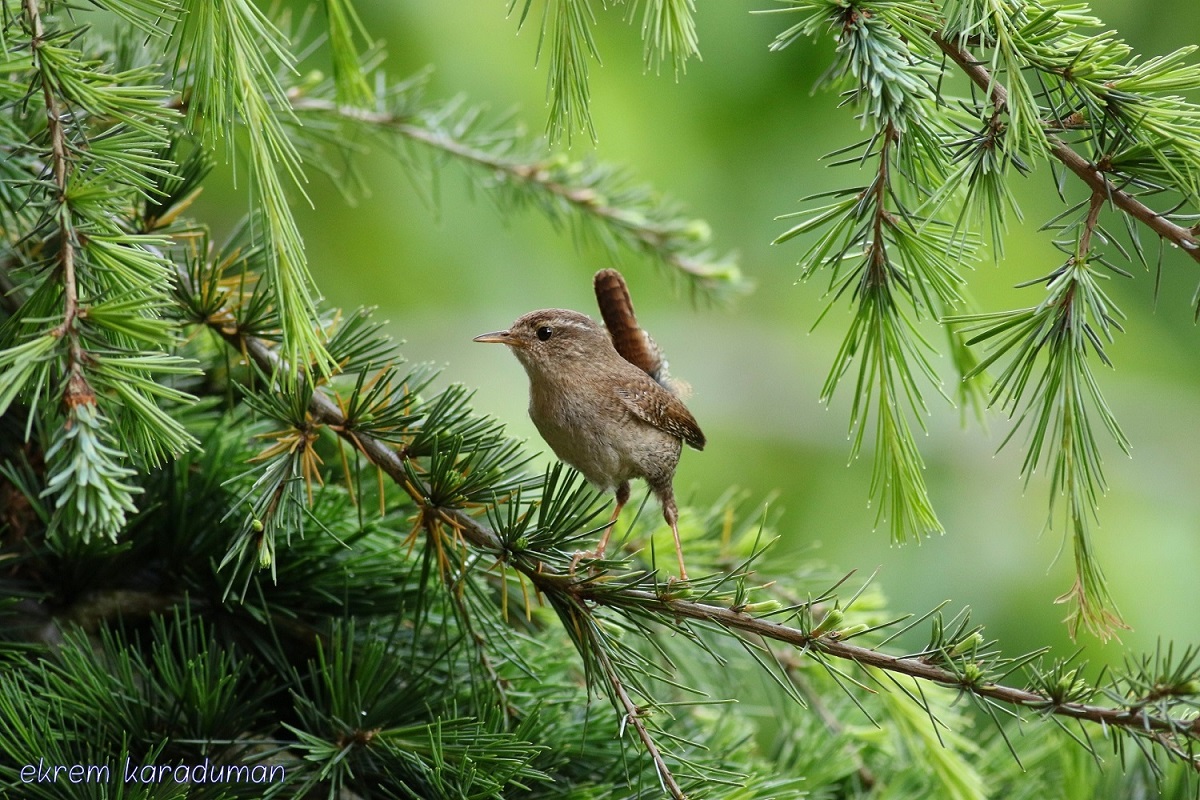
[(77, 389), (1091, 174), (1142, 143), (1078, 312), (1089, 224), (633, 714), (228, 54), (1134, 716), (646, 228)]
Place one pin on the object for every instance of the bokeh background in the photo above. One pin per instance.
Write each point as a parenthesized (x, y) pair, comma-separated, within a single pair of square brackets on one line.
[(738, 139)]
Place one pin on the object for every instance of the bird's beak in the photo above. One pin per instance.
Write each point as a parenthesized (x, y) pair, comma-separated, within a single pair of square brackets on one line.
[(496, 337)]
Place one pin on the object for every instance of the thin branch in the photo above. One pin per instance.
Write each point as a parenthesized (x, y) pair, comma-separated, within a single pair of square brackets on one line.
[(77, 390), (876, 272), (1135, 720), (585, 200), (1089, 225), (633, 715), (1178, 235)]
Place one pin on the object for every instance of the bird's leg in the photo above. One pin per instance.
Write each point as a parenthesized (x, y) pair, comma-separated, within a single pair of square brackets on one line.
[(671, 515), (598, 553), (622, 499)]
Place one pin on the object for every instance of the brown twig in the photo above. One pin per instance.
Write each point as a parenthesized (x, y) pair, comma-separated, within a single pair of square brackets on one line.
[(478, 640), (1089, 224), (633, 715), (1088, 172), (876, 272), (77, 389), (535, 174)]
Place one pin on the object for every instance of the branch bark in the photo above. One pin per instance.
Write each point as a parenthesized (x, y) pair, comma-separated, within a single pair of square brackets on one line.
[(533, 174), (633, 715), (1178, 235), (77, 389)]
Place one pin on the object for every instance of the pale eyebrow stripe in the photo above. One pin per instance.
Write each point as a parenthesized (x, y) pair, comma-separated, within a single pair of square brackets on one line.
[(565, 323)]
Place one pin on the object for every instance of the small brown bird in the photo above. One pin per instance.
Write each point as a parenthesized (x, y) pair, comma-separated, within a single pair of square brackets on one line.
[(603, 400)]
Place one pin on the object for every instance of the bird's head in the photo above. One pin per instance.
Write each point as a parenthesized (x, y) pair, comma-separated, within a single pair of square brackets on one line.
[(545, 341)]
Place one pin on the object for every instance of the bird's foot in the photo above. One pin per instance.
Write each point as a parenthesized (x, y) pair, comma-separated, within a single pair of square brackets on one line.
[(580, 555)]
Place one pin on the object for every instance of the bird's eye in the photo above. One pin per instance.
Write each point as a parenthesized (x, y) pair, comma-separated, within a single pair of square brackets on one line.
[(544, 332)]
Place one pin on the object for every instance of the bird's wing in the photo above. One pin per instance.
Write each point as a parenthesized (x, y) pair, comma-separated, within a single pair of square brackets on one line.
[(653, 404), (633, 343)]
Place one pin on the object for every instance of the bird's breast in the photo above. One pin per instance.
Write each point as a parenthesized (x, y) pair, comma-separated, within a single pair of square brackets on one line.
[(575, 430), (597, 435)]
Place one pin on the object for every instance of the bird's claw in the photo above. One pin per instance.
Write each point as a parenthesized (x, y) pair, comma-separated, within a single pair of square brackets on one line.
[(590, 555)]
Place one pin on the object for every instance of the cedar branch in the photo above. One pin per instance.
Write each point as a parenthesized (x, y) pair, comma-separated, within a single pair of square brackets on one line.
[(536, 174), (77, 389), (633, 715), (1088, 172)]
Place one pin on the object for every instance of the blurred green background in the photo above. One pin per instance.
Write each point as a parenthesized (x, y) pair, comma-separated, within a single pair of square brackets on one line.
[(738, 140)]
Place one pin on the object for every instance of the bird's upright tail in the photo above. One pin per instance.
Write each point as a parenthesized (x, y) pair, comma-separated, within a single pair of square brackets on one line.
[(633, 344)]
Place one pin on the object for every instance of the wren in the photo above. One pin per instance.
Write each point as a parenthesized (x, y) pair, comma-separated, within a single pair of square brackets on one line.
[(602, 398)]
